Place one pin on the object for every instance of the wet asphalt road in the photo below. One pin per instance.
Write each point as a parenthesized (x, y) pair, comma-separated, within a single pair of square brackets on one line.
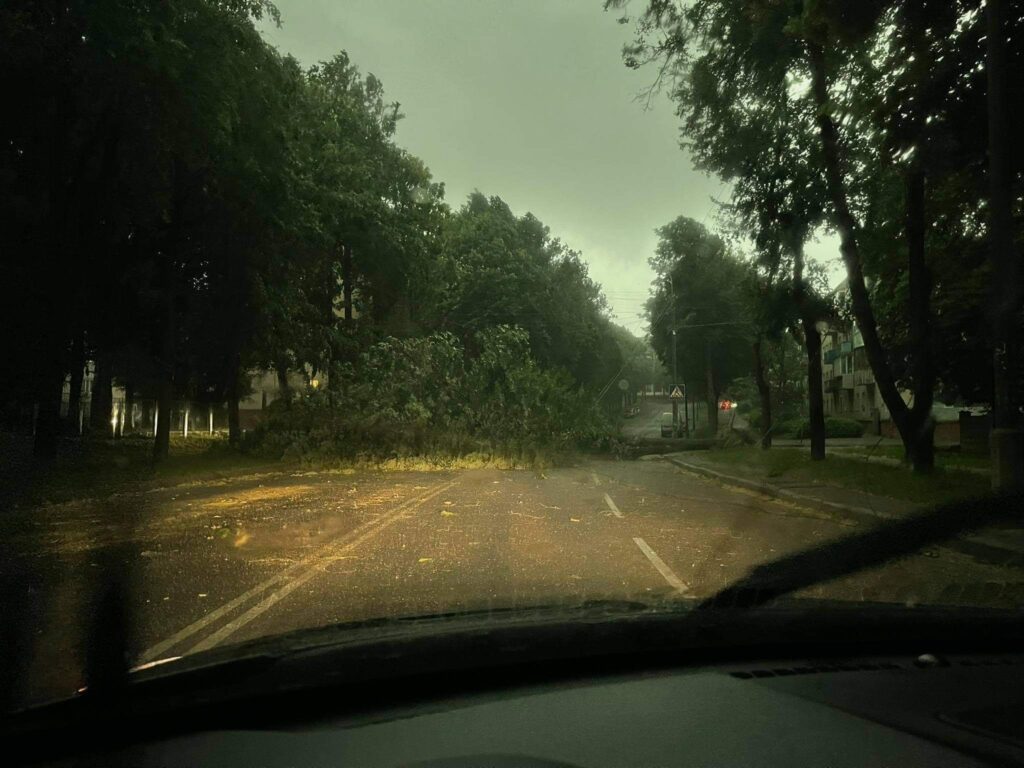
[(218, 563)]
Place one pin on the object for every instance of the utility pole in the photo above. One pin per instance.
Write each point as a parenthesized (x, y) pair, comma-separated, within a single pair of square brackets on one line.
[(686, 412), (675, 362)]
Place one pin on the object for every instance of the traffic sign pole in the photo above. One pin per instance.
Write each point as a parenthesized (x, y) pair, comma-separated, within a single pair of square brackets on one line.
[(676, 394), (686, 412)]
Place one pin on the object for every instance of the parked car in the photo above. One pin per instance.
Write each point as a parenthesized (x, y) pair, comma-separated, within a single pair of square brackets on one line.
[(666, 425)]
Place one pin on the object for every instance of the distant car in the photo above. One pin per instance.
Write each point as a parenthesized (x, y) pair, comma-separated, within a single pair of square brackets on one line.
[(666, 425)]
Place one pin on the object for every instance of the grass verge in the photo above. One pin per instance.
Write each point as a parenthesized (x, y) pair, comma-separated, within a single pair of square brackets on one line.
[(101, 468), (949, 458), (895, 482)]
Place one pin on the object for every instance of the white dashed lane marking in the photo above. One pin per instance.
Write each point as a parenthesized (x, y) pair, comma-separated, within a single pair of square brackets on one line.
[(611, 505), (674, 581)]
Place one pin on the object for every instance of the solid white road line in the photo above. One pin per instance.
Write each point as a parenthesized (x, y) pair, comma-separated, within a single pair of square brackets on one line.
[(611, 505), (674, 581), (235, 624), (157, 650), (275, 597)]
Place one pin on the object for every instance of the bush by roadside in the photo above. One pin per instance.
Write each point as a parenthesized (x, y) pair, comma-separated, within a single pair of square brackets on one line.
[(100, 468), (754, 419), (834, 427), (794, 465), (800, 427), (426, 397)]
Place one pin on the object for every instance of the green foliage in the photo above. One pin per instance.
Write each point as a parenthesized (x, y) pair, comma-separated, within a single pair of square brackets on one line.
[(904, 86), (189, 205), (699, 286), (426, 397), (503, 269), (834, 427), (753, 417)]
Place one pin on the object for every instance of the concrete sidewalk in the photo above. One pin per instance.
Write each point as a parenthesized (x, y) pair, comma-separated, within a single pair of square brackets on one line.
[(1001, 545)]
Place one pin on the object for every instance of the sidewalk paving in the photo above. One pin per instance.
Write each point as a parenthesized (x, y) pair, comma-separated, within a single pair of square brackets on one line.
[(1002, 545)]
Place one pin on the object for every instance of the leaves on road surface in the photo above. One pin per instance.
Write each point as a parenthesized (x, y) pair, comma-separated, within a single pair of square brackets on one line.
[(425, 560)]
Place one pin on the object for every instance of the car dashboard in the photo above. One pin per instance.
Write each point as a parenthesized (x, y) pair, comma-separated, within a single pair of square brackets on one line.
[(924, 710)]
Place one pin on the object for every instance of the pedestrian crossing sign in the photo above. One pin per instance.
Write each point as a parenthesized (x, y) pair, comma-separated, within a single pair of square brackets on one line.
[(676, 393)]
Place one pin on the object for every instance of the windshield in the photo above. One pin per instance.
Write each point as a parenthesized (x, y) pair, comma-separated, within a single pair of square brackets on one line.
[(322, 312)]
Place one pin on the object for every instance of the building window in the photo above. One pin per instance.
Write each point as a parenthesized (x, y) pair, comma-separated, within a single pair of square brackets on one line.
[(860, 359)]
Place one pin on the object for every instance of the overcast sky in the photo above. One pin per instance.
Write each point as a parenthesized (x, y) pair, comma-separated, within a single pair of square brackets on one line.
[(527, 100)]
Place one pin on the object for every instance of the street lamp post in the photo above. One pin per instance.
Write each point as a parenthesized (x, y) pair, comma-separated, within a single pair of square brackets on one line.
[(675, 360)]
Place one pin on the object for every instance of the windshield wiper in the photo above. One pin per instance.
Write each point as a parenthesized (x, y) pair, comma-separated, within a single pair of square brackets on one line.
[(862, 551)]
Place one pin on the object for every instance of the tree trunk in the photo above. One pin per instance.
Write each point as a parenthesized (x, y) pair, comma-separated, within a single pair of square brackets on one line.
[(165, 363), (765, 427), (72, 423), (346, 280), (1007, 449), (919, 439), (129, 408), (162, 439), (47, 424), (284, 390), (781, 388), (102, 398), (815, 396), (167, 358), (846, 226), (711, 393), (234, 424), (812, 346)]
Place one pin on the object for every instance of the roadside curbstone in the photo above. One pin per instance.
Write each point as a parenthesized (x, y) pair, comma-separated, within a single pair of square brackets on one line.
[(982, 550)]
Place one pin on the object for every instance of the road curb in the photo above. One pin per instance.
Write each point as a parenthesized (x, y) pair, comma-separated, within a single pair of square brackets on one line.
[(973, 547), (861, 514)]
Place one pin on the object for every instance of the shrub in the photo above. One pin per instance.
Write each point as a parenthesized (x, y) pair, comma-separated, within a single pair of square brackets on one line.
[(754, 419), (843, 428), (423, 397), (703, 432), (789, 427), (834, 427)]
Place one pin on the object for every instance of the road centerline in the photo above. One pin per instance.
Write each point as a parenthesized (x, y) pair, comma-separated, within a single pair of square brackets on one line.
[(312, 560), (611, 505), (659, 565), (314, 568)]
